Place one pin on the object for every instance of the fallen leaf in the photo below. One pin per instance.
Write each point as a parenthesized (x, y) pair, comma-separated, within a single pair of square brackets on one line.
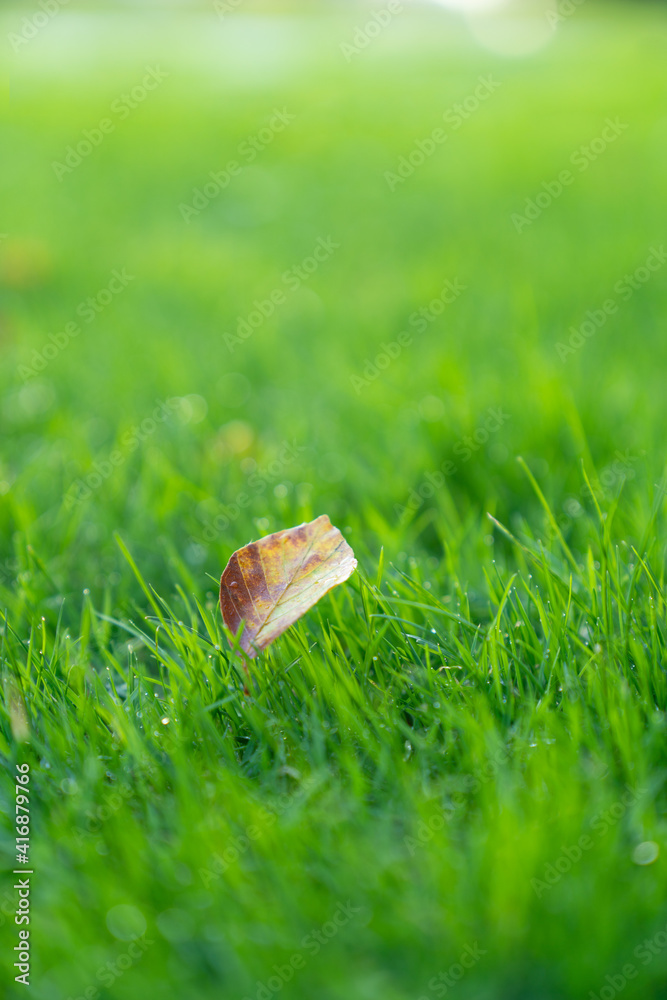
[(269, 584)]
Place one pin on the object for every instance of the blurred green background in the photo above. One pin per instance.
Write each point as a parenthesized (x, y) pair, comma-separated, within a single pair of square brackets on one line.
[(155, 416), (323, 176)]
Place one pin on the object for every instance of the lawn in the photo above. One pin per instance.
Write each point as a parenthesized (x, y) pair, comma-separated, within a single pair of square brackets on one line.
[(249, 277)]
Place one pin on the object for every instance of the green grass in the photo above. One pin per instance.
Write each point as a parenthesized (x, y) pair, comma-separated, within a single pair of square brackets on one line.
[(460, 751)]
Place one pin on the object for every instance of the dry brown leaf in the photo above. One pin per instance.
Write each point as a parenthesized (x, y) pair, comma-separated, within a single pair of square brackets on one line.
[(269, 584)]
